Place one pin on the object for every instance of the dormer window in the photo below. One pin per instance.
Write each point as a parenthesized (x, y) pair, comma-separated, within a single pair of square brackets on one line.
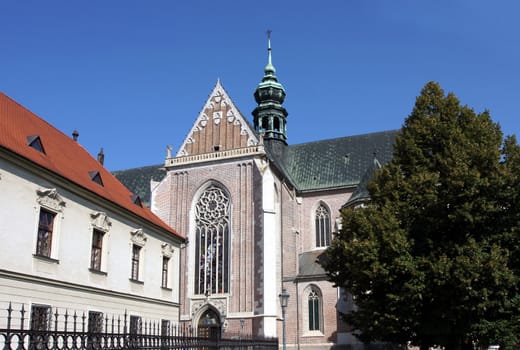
[(35, 142), (96, 177), (137, 200)]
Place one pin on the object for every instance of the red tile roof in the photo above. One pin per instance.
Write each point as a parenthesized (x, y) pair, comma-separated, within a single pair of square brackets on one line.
[(65, 157)]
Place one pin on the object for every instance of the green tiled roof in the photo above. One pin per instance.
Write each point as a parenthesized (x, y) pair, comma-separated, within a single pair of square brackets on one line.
[(361, 193), (137, 180), (334, 163), (312, 166)]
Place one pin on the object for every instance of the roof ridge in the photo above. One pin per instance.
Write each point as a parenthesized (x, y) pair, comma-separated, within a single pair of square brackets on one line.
[(345, 137)]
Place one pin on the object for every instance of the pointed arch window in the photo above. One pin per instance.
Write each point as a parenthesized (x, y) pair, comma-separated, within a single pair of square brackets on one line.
[(212, 242), (314, 305), (322, 219)]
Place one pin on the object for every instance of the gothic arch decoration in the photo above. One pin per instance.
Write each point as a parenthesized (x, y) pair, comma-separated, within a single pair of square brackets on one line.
[(212, 236), (313, 301), (322, 225), (208, 322)]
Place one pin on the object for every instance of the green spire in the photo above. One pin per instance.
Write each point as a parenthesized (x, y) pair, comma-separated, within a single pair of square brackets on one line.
[(270, 115), (269, 68)]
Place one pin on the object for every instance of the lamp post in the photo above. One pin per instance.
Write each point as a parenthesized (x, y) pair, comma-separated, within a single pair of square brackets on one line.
[(284, 299)]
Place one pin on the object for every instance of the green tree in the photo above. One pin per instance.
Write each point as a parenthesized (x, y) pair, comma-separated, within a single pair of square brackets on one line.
[(433, 257)]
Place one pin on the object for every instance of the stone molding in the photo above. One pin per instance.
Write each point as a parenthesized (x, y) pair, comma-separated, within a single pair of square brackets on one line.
[(50, 198), (138, 237)]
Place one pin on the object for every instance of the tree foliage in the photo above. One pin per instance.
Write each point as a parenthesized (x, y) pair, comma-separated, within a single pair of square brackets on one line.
[(434, 256)]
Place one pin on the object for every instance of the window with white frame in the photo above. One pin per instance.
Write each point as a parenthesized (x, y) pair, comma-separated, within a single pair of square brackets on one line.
[(212, 226), (136, 259), (322, 227), (95, 322), (50, 207), (101, 224), (40, 317), (164, 271), (96, 252), (45, 231), (138, 239)]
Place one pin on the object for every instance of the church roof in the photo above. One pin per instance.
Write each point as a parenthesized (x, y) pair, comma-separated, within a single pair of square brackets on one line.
[(138, 179), (312, 166), (334, 163), (25, 134)]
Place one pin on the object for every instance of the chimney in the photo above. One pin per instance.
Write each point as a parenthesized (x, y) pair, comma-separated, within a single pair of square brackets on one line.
[(75, 135), (101, 156)]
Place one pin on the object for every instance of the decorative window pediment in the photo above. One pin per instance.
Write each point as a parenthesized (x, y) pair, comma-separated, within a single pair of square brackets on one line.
[(138, 237), (167, 250), (49, 197), (100, 220)]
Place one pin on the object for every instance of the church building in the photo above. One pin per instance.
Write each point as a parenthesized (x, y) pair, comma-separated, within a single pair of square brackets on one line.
[(257, 213)]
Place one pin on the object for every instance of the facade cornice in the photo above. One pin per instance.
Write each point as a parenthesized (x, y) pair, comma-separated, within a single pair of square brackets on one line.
[(79, 287), (256, 150)]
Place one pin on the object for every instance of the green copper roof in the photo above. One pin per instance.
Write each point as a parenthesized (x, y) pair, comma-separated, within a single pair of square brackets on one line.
[(334, 163), (361, 193), (313, 166)]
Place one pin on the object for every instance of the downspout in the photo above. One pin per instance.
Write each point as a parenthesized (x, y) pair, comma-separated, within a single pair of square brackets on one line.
[(297, 314), (281, 237)]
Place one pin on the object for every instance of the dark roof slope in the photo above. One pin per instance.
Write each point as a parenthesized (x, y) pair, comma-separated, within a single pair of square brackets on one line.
[(311, 166), (64, 157), (308, 264), (138, 179), (339, 162), (361, 193)]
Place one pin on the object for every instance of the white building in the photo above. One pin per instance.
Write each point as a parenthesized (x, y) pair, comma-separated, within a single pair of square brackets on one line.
[(72, 236)]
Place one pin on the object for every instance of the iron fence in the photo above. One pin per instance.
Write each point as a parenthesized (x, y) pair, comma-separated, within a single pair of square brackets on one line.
[(44, 328)]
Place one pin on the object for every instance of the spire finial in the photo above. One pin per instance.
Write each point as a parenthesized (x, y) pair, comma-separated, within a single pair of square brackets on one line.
[(269, 68), (269, 31)]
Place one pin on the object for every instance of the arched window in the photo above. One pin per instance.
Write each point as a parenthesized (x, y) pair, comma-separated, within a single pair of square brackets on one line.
[(212, 242), (314, 305), (322, 226)]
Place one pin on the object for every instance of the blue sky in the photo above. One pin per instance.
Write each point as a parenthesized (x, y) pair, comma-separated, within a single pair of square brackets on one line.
[(132, 76)]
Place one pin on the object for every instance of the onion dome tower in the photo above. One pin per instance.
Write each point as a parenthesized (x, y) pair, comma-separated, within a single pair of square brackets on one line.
[(270, 116)]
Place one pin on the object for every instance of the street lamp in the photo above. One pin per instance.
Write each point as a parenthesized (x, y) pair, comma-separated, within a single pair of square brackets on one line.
[(284, 299)]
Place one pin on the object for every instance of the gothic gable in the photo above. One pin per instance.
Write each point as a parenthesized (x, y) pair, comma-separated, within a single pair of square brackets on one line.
[(219, 127)]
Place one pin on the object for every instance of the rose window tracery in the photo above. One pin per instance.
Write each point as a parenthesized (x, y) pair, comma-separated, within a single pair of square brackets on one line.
[(212, 242)]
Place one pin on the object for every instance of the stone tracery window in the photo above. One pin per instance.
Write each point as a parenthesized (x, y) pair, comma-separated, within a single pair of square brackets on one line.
[(322, 226), (212, 222), (314, 308)]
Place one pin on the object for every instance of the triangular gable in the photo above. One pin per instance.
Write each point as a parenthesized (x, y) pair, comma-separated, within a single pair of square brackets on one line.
[(219, 127)]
